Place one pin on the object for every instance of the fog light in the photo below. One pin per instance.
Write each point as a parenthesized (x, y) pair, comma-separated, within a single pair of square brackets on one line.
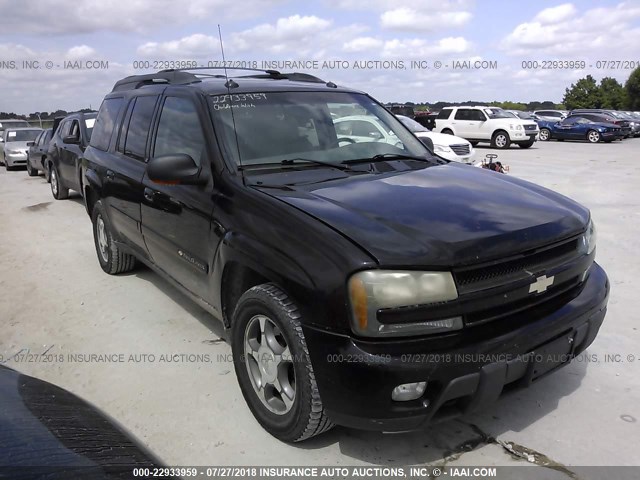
[(408, 391)]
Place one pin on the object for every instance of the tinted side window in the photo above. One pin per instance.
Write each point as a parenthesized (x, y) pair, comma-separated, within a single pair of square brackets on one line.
[(476, 115), (444, 114), (179, 130), (105, 123), (63, 129), (135, 135), (75, 129), (38, 138), (463, 114)]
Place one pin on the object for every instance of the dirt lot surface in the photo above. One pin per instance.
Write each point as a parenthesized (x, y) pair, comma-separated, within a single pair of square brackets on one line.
[(175, 388)]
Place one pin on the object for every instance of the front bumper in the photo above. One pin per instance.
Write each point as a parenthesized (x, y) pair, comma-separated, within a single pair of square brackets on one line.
[(12, 159), (465, 371)]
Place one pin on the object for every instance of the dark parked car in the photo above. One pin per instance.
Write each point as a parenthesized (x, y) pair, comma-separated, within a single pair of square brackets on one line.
[(608, 116), (401, 109), (48, 432), (427, 120), (37, 153), (580, 127), (367, 284), (66, 148)]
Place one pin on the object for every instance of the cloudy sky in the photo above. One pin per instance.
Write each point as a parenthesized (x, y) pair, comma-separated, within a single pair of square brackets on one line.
[(59, 33)]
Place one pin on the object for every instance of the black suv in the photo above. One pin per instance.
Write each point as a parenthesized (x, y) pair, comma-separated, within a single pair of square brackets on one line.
[(365, 283), (70, 139)]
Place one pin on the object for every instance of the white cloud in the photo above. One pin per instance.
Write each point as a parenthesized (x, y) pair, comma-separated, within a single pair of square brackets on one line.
[(414, 20), (420, 48), (595, 33), (556, 14), (196, 45), (80, 52), (64, 17), (362, 44)]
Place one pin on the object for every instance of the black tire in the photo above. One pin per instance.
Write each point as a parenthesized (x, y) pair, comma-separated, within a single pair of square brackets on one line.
[(593, 136), (608, 141), (474, 144), (112, 260), (447, 131), (32, 172), (47, 171), (58, 190), (546, 136), (306, 416), (501, 140), (525, 144)]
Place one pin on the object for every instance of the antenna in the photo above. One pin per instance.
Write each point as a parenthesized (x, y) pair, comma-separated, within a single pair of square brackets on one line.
[(228, 84)]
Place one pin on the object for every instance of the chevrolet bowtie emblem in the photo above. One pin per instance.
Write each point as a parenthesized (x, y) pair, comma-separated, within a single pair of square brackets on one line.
[(541, 284)]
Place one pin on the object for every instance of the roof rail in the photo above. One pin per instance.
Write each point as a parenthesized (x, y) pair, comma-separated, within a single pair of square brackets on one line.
[(275, 74)]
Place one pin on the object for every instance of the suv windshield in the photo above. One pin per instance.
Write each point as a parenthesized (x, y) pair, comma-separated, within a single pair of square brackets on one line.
[(331, 127), (497, 113), (22, 135)]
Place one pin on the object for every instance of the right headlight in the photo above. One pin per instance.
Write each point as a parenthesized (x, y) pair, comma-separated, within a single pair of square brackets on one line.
[(373, 290)]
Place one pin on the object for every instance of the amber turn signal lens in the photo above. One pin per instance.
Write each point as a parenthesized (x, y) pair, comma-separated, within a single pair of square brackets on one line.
[(358, 294)]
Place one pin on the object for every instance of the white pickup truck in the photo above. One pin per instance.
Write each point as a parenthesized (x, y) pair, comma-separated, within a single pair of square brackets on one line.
[(487, 124)]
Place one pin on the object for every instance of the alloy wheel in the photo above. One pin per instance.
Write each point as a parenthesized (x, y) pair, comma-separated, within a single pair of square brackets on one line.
[(269, 364), (103, 243)]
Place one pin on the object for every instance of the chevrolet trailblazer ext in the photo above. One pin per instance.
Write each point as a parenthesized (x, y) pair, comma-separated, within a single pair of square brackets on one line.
[(364, 284)]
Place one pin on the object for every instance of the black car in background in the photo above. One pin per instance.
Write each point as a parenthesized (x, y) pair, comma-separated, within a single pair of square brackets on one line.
[(37, 153), (66, 148), (368, 284), (427, 120)]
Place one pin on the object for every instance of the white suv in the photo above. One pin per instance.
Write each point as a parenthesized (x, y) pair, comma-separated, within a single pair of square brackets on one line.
[(487, 124)]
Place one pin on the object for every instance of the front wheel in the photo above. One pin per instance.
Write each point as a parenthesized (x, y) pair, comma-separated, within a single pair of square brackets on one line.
[(545, 134), (500, 140), (525, 144), (593, 136), (32, 172), (273, 367)]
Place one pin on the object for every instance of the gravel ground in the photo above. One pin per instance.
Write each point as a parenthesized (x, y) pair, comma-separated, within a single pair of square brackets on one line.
[(189, 409)]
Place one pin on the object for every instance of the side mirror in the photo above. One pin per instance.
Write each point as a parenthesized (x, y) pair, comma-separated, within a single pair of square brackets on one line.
[(30, 144), (71, 140), (1, 140), (176, 169), (427, 142)]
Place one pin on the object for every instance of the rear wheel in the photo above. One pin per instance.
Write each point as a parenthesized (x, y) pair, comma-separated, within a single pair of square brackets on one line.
[(500, 140), (111, 257), (474, 144), (273, 367), (545, 134), (447, 131), (593, 136), (57, 189), (525, 144)]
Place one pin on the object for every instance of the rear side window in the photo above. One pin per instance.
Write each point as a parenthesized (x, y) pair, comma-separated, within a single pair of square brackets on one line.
[(444, 114), (463, 114), (179, 130), (105, 123), (135, 130)]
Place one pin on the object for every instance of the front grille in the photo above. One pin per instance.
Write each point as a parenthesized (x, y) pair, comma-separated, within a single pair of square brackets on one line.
[(461, 149), (477, 277), (530, 128)]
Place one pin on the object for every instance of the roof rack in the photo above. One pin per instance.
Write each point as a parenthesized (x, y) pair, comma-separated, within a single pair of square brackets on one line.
[(183, 76)]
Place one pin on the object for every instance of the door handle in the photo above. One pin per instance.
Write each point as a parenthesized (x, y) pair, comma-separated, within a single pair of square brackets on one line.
[(110, 175), (149, 194)]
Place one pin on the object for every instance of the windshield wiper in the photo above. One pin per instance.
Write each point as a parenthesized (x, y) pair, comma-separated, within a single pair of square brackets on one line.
[(291, 161), (381, 157)]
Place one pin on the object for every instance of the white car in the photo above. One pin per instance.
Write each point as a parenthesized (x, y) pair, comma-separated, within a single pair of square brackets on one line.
[(487, 124), (551, 115), (363, 128), (15, 142), (448, 147)]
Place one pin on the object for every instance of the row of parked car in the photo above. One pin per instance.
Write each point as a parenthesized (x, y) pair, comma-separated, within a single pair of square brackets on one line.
[(502, 128), (333, 244)]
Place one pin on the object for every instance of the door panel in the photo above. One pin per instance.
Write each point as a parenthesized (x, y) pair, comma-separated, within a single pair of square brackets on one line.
[(176, 219)]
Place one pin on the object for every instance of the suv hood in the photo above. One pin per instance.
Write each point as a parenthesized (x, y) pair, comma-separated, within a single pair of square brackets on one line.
[(441, 216)]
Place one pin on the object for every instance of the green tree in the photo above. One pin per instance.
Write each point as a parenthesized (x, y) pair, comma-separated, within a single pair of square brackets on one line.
[(585, 93), (612, 94), (632, 89)]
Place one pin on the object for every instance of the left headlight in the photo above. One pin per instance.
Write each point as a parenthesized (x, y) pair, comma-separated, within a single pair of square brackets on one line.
[(373, 290), (589, 238)]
